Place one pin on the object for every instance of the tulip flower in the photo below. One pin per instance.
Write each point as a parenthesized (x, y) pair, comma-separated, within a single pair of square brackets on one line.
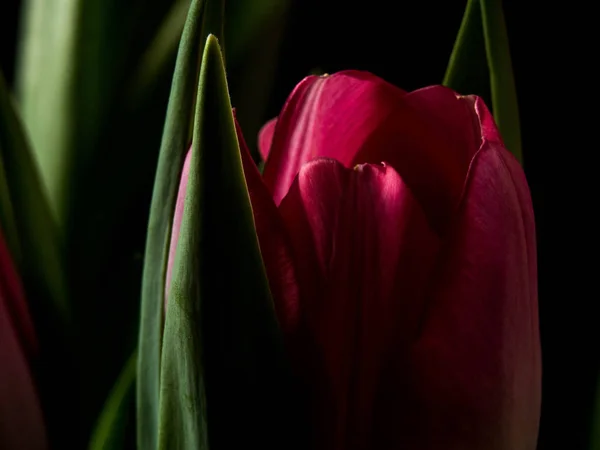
[(21, 422), (398, 237)]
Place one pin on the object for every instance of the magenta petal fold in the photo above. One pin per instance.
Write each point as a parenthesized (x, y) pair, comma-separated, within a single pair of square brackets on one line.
[(21, 419), (325, 116), (356, 117), (372, 250)]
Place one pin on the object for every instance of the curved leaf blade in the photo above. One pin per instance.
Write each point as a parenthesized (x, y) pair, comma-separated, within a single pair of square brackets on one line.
[(502, 81), (223, 353), (176, 138), (111, 425), (37, 251), (40, 256), (467, 71), (480, 64)]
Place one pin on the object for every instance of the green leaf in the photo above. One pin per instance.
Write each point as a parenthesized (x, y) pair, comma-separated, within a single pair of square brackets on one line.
[(32, 234), (62, 78), (7, 216), (485, 18), (155, 59), (37, 250), (504, 92), (109, 433), (225, 378), (254, 35), (176, 139), (467, 70), (247, 19)]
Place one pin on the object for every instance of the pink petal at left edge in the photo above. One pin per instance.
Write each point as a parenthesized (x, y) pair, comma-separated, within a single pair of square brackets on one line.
[(21, 419)]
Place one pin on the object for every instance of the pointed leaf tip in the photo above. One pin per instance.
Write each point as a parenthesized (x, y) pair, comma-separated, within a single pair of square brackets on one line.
[(222, 350), (175, 141)]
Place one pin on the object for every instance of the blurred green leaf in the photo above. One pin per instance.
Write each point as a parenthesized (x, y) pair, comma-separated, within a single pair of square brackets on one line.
[(223, 351), (7, 216), (203, 17), (109, 433), (467, 70), (245, 21), (37, 250), (62, 84), (156, 58), (33, 236), (484, 21), (254, 34)]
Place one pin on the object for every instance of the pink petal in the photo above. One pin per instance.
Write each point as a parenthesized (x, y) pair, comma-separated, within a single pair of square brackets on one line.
[(21, 420), (473, 377), (429, 137), (265, 138), (363, 250), (329, 116), (176, 226)]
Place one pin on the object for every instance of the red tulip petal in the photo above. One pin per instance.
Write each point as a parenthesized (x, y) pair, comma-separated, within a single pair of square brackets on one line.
[(473, 378), (273, 241), (265, 138), (363, 250), (21, 420), (176, 226), (430, 138), (328, 116)]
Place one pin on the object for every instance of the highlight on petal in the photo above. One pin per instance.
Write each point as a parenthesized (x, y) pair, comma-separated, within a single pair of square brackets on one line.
[(176, 224), (326, 116), (265, 138), (429, 136), (363, 250)]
